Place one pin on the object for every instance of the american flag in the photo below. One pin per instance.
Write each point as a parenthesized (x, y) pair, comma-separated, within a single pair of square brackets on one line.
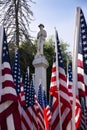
[(84, 45), (9, 114), (29, 115), (78, 110), (70, 80), (82, 57), (54, 96), (83, 123), (47, 112), (18, 79), (26, 85), (16, 72), (22, 93), (82, 68), (59, 82), (40, 109)]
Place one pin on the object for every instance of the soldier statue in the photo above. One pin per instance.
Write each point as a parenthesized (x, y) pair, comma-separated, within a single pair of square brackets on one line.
[(41, 36)]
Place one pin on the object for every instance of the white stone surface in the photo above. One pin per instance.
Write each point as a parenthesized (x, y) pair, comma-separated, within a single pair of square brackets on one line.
[(40, 63)]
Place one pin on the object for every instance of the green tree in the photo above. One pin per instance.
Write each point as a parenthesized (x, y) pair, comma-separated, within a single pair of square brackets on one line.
[(16, 17), (28, 51), (65, 53), (26, 55)]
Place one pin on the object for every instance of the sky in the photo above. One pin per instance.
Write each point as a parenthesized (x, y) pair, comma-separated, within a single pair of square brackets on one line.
[(59, 14)]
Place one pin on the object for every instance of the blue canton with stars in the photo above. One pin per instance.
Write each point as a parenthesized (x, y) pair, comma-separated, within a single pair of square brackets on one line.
[(83, 36), (5, 52), (40, 96), (26, 86), (30, 97), (16, 72), (60, 59), (44, 99), (29, 92), (70, 72)]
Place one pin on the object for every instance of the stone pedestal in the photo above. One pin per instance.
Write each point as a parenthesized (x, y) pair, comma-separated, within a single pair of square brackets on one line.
[(41, 64)]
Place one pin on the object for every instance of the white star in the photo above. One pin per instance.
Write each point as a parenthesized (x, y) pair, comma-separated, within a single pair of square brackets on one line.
[(18, 90), (6, 52), (82, 25), (15, 64), (85, 55), (3, 54), (84, 36), (59, 57), (14, 76), (84, 42), (15, 69), (61, 61), (86, 62), (83, 31), (85, 49), (5, 42), (82, 19), (4, 47)]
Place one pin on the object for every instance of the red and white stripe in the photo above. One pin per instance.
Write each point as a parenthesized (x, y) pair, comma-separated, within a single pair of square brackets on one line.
[(33, 117), (61, 107), (64, 102), (54, 94), (48, 113), (8, 89), (78, 110), (81, 74), (9, 114), (83, 123), (47, 117), (29, 118), (40, 115), (22, 94)]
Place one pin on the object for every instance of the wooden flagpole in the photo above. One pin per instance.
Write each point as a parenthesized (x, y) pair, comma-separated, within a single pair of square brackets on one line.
[(74, 62)]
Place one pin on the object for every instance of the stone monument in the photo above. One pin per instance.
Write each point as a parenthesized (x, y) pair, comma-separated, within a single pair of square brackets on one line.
[(40, 63)]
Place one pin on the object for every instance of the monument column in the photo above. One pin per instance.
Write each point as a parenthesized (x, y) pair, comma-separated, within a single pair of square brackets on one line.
[(40, 63)]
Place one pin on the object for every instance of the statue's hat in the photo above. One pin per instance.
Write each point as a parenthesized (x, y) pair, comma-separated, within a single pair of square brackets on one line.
[(41, 25)]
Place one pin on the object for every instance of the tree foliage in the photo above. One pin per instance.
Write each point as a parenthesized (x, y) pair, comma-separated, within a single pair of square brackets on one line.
[(26, 56), (16, 17), (28, 51), (65, 53)]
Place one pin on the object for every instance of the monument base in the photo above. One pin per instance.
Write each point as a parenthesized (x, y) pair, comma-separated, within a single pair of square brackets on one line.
[(41, 64)]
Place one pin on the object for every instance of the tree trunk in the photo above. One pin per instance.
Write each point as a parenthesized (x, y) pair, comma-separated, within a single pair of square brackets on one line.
[(16, 2)]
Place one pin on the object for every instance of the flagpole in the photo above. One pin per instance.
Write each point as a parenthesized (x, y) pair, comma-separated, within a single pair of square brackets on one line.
[(67, 67), (74, 65), (57, 79), (33, 79), (28, 70)]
